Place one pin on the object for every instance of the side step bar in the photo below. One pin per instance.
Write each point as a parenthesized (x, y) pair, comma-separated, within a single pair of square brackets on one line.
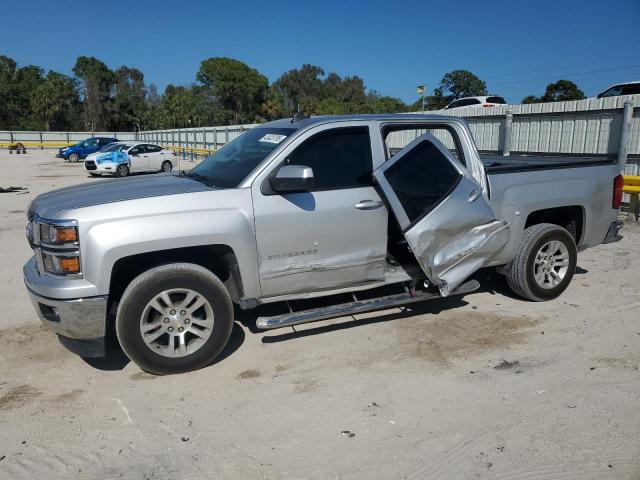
[(357, 306)]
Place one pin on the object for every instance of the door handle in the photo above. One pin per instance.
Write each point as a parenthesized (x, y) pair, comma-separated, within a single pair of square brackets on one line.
[(368, 204)]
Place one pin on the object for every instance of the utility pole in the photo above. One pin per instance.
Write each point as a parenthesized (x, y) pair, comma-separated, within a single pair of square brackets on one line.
[(421, 89)]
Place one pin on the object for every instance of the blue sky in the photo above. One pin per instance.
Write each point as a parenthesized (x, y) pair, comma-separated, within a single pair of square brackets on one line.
[(516, 47)]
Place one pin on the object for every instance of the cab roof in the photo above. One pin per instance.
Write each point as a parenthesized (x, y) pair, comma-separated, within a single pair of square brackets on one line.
[(380, 117)]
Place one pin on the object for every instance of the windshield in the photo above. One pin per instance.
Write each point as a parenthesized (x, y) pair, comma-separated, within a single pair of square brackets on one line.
[(232, 163), (116, 147)]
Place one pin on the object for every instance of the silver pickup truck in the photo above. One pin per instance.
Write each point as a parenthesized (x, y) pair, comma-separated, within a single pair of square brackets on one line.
[(369, 211)]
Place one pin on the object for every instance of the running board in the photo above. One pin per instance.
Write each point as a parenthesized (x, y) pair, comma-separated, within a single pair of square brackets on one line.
[(357, 306)]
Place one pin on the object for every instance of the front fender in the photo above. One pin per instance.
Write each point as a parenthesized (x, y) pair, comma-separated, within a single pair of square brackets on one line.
[(106, 243)]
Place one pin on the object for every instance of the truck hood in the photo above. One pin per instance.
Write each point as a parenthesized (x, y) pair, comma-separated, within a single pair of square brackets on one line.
[(52, 204)]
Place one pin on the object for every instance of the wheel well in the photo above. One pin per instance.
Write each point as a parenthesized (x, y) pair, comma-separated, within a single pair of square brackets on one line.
[(220, 259), (570, 218)]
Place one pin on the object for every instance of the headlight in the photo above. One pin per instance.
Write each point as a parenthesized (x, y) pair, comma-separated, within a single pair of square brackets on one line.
[(60, 264), (58, 235), (56, 245)]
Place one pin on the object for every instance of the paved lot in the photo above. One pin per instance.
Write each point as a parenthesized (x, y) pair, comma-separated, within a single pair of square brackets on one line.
[(487, 386)]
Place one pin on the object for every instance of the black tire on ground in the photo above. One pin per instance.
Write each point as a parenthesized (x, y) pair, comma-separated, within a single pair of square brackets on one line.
[(74, 157), (122, 171), (167, 166), (521, 271), (151, 284)]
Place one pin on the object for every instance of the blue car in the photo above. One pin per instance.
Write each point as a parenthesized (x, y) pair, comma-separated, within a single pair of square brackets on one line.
[(76, 152)]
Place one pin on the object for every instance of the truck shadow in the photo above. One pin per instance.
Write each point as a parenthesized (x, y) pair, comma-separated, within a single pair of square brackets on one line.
[(427, 307), (117, 360), (491, 282)]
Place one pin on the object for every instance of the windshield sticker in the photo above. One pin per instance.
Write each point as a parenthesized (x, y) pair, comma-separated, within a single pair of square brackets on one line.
[(272, 138)]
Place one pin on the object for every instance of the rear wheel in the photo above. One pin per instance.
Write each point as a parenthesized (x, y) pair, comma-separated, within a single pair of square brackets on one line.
[(74, 157), (174, 318), (166, 166), (544, 264), (122, 171)]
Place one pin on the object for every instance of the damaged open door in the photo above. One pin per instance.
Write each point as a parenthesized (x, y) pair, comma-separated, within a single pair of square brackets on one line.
[(444, 216)]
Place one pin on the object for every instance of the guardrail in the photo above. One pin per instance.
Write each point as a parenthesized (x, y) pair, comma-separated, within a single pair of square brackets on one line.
[(41, 145)]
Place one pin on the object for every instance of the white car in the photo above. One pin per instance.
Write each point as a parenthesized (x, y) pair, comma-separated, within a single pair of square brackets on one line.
[(487, 101), (143, 157), (628, 88)]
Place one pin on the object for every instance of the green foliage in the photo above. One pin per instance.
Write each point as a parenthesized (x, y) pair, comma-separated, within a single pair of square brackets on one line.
[(129, 103), (238, 89), (457, 84), (301, 90), (97, 82), (227, 91), (55, 101), (530, 99), (560, 91), (308, 90)]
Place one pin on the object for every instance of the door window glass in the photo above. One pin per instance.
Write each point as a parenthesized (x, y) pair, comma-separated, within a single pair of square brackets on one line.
[(631, 89), (421, 179), (340, 158), (612, 92), (153, 148), (137, 150), (396, 139)]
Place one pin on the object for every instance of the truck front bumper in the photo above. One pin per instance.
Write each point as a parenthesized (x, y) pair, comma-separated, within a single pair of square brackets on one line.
[(79, 322)]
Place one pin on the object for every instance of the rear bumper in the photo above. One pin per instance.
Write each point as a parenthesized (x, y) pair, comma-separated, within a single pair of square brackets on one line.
[(613, 232)]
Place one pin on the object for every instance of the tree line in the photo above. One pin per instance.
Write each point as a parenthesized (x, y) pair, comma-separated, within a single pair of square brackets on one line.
[(225, 91)]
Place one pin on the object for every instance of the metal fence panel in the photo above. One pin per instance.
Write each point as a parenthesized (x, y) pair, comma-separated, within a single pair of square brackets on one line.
[(581, 127)]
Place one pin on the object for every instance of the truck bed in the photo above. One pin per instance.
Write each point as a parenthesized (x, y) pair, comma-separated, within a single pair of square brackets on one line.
[(496, 164)]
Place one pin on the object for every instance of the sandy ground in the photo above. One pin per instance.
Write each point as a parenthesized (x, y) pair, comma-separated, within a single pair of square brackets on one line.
[(487, 386)]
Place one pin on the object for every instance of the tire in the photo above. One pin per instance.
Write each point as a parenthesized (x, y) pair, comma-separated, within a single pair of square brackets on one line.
[(74, 158), (554, 263), (159, 350), (167, 166), (122, 171)]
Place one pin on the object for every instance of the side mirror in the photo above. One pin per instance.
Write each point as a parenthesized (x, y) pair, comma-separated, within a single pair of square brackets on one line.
[(293, 178)]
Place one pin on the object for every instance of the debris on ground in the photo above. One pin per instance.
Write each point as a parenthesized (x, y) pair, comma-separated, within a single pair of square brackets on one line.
[(347, 433), (372, 407), (506, 364), (12, 189)]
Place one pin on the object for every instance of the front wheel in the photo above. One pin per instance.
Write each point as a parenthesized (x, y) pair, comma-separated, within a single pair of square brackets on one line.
[(174, 318), (122, 171), (544, 264), (166, 166), (74, 157)]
